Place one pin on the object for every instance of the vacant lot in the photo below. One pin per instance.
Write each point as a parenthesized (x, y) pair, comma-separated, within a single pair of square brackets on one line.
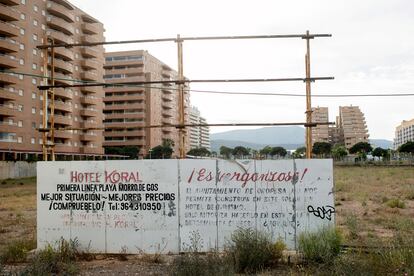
[(372, 203)]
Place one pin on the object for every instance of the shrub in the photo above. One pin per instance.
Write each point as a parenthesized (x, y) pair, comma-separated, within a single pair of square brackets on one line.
[(351, 221), (251, 250), (321, 247), (396, 203), (16, 251), (55, 260)]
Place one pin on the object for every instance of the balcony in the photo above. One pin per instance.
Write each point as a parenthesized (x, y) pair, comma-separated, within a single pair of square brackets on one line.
[(8, 30), (64, 66), (59, 37), (124, 106), (6, 127), (137, 142), (7, 46), (125, 133), (91, 89), (123, 89), (60, 25), (61, 92), (88, 137), (64, 53), (63, 106), (64, 148), (7, 62), (89, 113), (124, 98), (7, 95), (126, 80), (63, 120), (90, 39), (88, 28), (61, 79), (89, 76), (7, 79), (90, 53), (8, 13), (89, 100), (7, 111), (10, 2), (123, 125), (126, 71), (91, 64), (167, 121), (63, 134), (139, 115), (167, 97), (89, 124), (60, 11)]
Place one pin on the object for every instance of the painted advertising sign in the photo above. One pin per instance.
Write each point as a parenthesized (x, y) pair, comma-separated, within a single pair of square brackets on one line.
[(154, 206)]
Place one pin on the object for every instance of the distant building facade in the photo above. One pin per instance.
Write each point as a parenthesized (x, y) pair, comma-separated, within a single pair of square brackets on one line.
[(404, 133), (350, 126), (198, 136), (130, 107), (23, 26)]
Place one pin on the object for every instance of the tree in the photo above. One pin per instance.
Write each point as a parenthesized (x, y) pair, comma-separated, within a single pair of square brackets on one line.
[(380, 152), (299, 152), (361, 147), (339, 151), (278, 151), (163, 151), (202, 151), (407, 147), (130, 151), (265, 151), (240, 151), (226, 151), (321, 148)]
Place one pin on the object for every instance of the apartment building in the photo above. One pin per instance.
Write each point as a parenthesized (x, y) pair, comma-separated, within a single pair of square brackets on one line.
[(198, 136), (404, 133), (320, 133), (24, 25), (350, 126), (130, 106)]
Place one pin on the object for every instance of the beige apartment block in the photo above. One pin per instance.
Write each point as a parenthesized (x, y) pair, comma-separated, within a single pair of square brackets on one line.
[(404, 133), (25, 24), (353, 126), (130, 106), (199, 136), (320, 133), (350, 126)]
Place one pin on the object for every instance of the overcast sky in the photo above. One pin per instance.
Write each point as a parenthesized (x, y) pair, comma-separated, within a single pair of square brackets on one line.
[(371, 51)]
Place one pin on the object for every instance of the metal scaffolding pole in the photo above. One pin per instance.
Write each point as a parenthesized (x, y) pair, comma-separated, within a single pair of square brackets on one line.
[(181, 98), (308, 100)]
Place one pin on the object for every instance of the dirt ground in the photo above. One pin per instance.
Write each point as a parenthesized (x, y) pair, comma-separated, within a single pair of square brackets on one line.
[(371, 203)]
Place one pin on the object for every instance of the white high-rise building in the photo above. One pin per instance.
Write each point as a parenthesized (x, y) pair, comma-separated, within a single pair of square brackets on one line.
[(404, 133), (198, 136)]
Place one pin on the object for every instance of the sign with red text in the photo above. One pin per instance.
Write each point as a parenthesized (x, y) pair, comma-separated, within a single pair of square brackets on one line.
[(157, 206)]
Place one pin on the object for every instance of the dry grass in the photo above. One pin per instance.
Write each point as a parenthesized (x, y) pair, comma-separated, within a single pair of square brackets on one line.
[(365, 193)]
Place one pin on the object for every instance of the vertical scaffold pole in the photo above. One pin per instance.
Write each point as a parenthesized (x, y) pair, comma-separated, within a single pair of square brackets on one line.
[(181, 97)]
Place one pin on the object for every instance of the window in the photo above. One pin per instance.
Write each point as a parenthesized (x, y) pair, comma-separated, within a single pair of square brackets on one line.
[(35, 37), (20, 92), (41, 112), (76, 105), (23, 2), (43, 13), (33, 140), (40, 141), (43, 27), (21, 31), (76, 68), (33, 110), (33, 95), (21, 46), (41, 97), (20, 123), (21, 77), (34, 81), (35, 8), (20, 107), (34, 66), (33, 125), (35, 52), (19, 139), (76, 56), (22, 16), (21, 61), (77, 18), (35, 23), (77, 31), (76, 144)]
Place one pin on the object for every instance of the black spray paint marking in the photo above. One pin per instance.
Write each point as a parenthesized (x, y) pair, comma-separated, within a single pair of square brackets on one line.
[(322, 212)]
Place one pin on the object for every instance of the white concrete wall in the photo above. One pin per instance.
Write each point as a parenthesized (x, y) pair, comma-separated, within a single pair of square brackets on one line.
[(19, 169)]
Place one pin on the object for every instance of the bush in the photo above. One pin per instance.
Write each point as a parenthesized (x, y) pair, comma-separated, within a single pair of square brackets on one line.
[(320, 247), (16, 251), (396, 203), (55, 260), (252, 251)]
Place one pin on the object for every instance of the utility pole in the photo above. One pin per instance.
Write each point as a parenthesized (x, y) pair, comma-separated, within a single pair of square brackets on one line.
[(45, 106), (308, 100), (52, 107), (181, 97)]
